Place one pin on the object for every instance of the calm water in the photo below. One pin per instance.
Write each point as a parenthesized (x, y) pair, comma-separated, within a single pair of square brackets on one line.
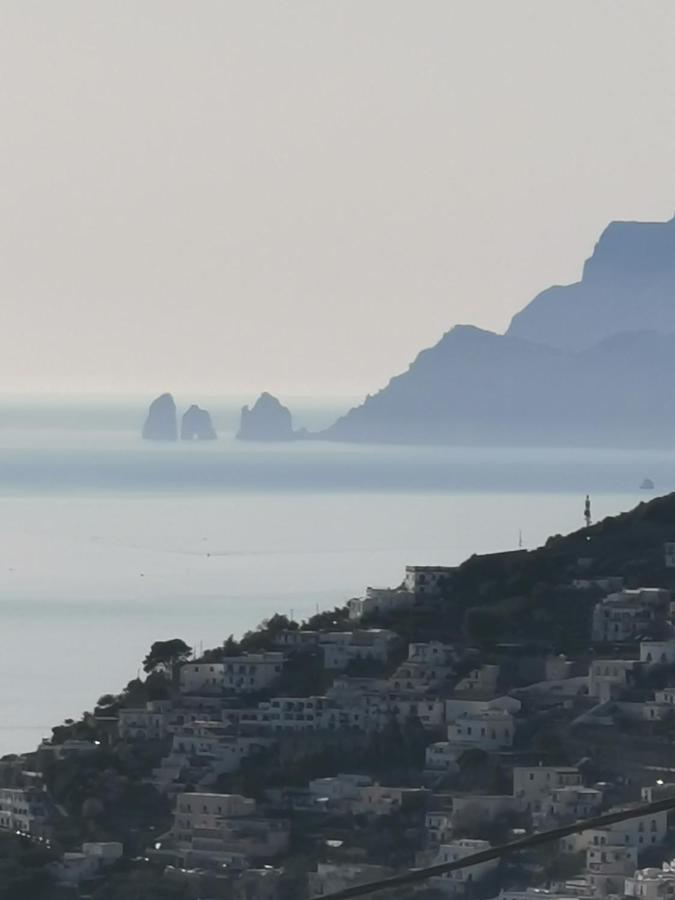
[(109, 543)]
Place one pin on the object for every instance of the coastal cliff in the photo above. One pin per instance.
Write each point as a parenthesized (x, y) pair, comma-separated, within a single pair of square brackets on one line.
[(586, 364)]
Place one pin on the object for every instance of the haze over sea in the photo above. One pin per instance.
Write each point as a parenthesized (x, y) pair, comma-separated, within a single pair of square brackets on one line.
[(110, 543)]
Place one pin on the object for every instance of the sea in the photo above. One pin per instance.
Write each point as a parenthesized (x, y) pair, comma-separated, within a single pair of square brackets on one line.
[(109, 542)]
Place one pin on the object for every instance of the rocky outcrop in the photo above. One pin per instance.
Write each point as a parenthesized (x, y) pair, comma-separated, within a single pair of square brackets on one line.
[(196, 425), (267, 420), (161, 423)]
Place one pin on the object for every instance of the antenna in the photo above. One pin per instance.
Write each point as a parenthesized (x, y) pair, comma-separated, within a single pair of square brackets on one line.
[(520, 540), (587, 511)]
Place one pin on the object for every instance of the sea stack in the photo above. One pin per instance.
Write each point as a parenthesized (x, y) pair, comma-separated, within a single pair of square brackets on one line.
[(196, 425), (161, 424), (267, 420)]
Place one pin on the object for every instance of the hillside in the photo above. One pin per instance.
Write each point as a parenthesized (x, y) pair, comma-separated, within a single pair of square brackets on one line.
[(529, 595)]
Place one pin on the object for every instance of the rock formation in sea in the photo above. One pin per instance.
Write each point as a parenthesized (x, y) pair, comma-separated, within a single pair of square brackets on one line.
[(196, 425), (161, 423), (266, 420)]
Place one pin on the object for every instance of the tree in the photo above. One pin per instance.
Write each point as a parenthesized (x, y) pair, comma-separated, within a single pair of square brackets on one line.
[(165, 655), (231, 647)]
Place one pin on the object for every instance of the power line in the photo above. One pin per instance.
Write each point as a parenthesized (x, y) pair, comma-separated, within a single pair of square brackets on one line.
[(533, 840)]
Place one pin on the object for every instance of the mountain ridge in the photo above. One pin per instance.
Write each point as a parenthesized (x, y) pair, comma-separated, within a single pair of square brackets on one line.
[(626, 284), (585, 362)]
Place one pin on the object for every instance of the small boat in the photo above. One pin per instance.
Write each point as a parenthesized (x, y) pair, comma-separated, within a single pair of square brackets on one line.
[(647, 485)]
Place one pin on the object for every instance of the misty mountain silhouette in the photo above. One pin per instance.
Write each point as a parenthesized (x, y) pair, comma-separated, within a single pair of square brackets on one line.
[(628, 284), (593, 362)]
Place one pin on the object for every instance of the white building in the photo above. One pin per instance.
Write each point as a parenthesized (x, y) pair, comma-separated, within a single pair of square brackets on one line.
[(565, 804), (607, 867), (482, 680), (297, 640), (654, 792), (294, 713), (25, 810), (606, 677), (457, 706), (652, 883), (380, 601), (419, 676), (202, 678), (626, 615), (339, 788), (148, 723), (236, 674), (442, 756), (427, 581), (669, 554), (666, 697), (340, 648), (531, 783), (376, 800), (458, 880), (213, 828), (490, 729), (642, 832), (202, 750), (657, 652), (438, 826), (432, 652)]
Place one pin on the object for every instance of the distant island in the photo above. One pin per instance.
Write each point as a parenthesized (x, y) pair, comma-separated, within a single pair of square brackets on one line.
[(590, 363)]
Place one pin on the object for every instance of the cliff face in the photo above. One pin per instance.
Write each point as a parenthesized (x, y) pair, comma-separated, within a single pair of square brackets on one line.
[(160, 424), (196, 425), (628, 284), (476, 387), (267, 420), (588, 363)]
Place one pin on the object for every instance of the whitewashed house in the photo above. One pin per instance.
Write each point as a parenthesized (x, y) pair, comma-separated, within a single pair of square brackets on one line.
[(212, 828), (489, 729), (459, 880), (340, 648), (652, 883), (25, 811), (626, 615), (531, 783)]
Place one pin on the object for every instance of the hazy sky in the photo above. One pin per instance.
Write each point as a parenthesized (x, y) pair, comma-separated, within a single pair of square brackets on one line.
[(298, 195)]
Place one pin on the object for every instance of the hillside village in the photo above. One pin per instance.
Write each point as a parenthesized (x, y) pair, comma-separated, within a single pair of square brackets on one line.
[(415, 725)]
